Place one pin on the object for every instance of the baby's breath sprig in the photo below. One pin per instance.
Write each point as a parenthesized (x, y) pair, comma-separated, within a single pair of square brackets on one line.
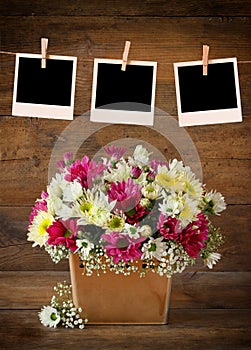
[(57, 252), (62, 309)]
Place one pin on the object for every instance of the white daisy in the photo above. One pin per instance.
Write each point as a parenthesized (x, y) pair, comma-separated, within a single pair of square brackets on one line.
[(73, 191), (151, 191), (145, 231), (215, 201), (212, 259), (131, 230), (154, 248), (192, 186), (55, 192), (84, 247), (37, 230), (141, 156), (189, 211), (49, 316), (172, 204), (118, 174), (93, 208)]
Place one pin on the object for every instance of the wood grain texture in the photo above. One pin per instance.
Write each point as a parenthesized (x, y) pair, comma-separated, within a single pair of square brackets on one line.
[(202, 290), (167, 40), (224, 161), (157, 8), (208, 309), (210, 329)]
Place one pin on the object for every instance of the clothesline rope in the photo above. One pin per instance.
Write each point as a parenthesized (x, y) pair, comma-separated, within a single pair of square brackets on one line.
[(91, 59)]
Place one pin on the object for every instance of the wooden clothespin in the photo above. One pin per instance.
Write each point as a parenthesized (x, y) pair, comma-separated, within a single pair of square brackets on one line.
[(205, 58), (125, 55), (44, 45)]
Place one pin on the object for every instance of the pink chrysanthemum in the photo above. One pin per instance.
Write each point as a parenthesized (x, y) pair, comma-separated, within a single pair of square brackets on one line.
[(136, 172), (85, 171), (63, 232), (115, 152), (39, 205), (126, 193), (193, 237), (122, 248), (169, 227)]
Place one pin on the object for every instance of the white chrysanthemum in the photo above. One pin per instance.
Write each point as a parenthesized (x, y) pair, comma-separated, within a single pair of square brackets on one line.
[(49, 316), (179, 179), (192, 186), (141, 156), (84, 247), (145, 231), (131, 230), (118, 174), (172, 204), (66, 212), (37, 230), (212, 259), (73, 191), (170, 180), (179, 205), (151, 191), (216, 201), (154, 248), (55, 192), (93, 208), (189, 211)]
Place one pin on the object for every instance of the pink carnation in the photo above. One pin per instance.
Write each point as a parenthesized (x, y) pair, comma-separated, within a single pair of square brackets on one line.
[(136, 172), (136, 214), (122, 247), (63, 232), (84, 171), (127, 194), (169, 227), (39, 205), (193, 236)]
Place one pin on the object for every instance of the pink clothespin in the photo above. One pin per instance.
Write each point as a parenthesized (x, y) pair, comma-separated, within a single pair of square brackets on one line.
[(205, 58), (125, 55), (44, 45)]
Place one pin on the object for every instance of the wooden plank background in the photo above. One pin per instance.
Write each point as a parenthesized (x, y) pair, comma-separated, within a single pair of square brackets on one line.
[(162, 31)]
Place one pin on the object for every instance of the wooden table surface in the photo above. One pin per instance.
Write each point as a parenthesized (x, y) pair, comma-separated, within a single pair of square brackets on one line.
[(187, 329)]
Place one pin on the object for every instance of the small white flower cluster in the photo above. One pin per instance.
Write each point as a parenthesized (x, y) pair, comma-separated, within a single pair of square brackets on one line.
[(57, 252), (62, 310), (176, 262), (96, 261)]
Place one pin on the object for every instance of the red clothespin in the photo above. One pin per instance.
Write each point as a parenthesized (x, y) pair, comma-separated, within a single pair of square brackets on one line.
[(44, 45), (205, 58), (125, 55)]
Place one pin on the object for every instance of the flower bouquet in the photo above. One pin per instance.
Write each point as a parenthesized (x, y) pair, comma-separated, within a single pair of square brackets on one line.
[(127, 216)]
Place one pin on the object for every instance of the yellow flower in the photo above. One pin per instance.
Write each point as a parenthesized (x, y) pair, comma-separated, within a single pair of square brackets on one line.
[(37, 230), (165, 180)]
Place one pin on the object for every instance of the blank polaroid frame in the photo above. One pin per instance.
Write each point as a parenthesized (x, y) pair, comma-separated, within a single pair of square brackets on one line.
[(210, 99), (44, 92), (123, 97)]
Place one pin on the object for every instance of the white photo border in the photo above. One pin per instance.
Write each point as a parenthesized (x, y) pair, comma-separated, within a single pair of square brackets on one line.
[(219, 116), (125, 117), (42, 110)]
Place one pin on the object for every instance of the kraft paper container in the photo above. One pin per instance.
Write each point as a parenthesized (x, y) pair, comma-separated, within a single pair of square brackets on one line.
[(119, 299)]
